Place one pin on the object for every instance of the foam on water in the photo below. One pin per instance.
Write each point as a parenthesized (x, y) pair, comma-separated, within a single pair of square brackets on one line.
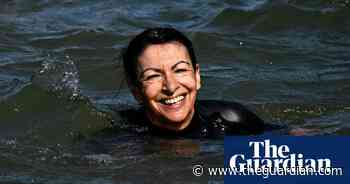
[(59, 76)]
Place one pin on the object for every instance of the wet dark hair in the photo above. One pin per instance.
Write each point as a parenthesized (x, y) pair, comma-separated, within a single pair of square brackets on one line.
[(150, 37)]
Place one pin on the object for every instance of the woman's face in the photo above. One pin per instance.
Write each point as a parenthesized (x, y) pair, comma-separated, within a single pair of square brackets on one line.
[(168, 84)]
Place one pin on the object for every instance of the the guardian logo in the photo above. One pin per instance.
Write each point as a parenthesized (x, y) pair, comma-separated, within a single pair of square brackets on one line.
[(267, 155)]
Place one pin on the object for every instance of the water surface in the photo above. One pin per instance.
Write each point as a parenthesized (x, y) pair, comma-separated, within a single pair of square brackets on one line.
[(61, 81)]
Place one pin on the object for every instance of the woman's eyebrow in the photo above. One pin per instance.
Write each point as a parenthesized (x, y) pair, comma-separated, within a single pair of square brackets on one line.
[(180, 62)]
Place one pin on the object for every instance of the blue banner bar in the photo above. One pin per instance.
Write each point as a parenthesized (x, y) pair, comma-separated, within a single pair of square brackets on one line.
[(287, 159)]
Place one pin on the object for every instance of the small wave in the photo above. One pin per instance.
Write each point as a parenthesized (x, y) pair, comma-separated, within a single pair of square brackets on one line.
[(100, 158), (275, 17), (335, 74), (247, 5), (233, 18), (77, 38), (331, 5), (261, 73), (329, 124), (214, 68), (120, 99), (10, 86)]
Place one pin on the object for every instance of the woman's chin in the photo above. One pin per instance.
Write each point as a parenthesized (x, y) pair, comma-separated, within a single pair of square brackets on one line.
[(180, 121), (174, 119)]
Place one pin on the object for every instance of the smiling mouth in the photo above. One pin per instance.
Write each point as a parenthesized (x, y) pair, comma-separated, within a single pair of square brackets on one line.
[(172, 101)]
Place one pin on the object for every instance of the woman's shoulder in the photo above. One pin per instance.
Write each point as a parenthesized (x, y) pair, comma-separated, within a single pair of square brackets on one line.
[(235, 117)]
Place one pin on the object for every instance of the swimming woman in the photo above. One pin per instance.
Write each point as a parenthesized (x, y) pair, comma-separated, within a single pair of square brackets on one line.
[(163, 75)]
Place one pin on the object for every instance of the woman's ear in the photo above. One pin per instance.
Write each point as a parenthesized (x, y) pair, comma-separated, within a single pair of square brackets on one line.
[(198, 77), (135, 90), (137, 94)]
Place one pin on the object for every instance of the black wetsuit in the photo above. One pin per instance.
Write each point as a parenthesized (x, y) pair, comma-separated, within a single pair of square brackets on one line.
[(212, 119)]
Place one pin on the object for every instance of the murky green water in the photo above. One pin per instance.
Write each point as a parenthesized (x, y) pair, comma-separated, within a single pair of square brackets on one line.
[(60, 81)]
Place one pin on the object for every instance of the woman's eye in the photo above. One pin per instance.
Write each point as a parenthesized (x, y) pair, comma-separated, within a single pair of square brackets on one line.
[(150, 77), (180, 70)]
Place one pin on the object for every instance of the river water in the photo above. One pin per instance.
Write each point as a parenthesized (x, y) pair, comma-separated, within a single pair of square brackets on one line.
[(61, 82)]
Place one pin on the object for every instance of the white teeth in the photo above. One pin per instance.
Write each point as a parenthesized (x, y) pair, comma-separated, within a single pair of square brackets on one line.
[(174, 100)]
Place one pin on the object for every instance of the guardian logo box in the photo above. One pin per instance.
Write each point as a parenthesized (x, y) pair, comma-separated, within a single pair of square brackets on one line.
[(286, 159)]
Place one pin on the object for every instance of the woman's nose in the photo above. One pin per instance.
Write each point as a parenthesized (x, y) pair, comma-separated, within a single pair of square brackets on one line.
[(170, 84)]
